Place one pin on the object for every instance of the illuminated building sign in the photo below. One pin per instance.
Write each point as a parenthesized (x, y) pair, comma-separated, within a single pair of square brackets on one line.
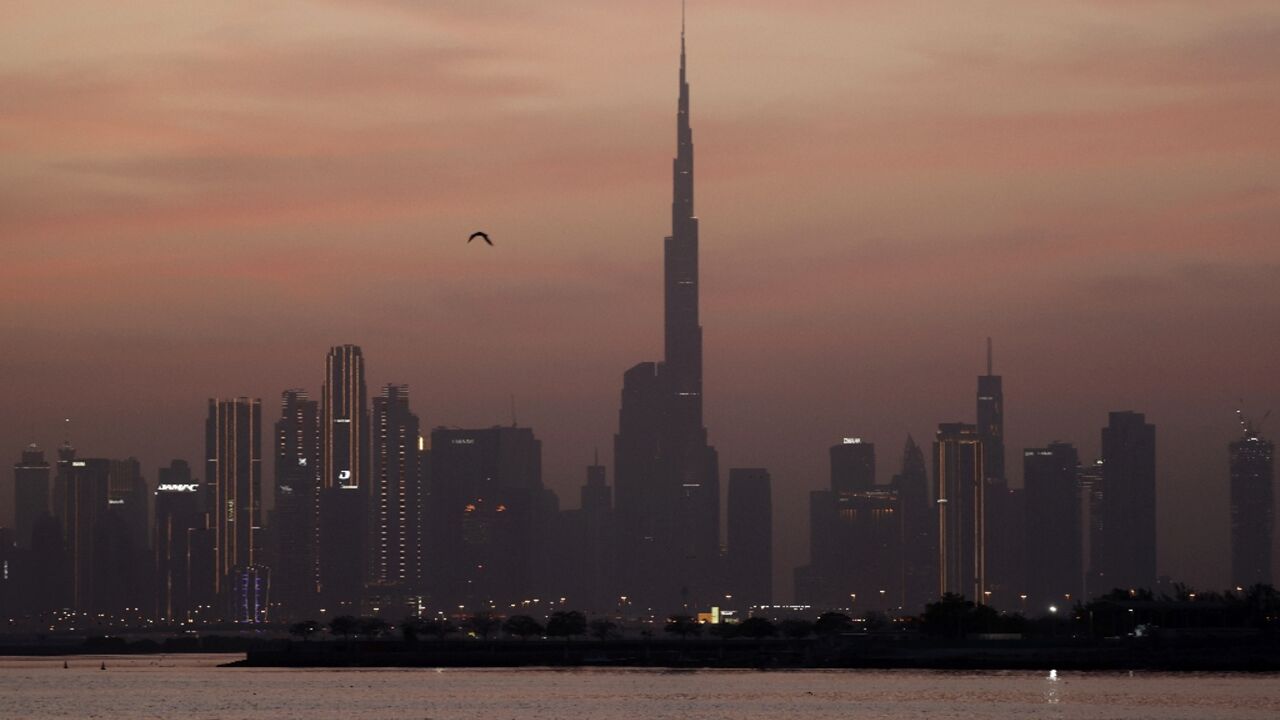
[(463, 441), (853, 441), (178, 487), (344, 474), (78, 463)]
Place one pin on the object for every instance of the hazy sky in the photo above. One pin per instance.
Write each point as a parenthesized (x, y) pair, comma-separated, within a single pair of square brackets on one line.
[(198, 199)]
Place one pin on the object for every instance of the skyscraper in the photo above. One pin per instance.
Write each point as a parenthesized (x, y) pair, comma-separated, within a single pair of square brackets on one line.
[(750, 565), (918, 517), (486, 497), (1127, 557), (180, 507), (957, 466), (30, 492), (294, 525), (80, 502), (344, 419), (667, 474), (1005, 514), (396, 495), (853, 466), (344, 495), (1252, 507), (233, 466), (1053, 533)]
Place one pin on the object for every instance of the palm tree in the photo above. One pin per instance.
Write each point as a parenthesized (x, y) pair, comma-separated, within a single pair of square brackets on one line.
[(830, 624), (343, 625), (522, 626), (566, 624)]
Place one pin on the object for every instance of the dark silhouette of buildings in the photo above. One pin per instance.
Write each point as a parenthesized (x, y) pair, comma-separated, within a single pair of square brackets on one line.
[(918, 519), (396, 493), (1005, 514), (1252, 507), (958, 468), (294, 525), (181, 506), (344, 494), (1053, 532), (855, 537), (30, 493), (487, 503), (80, 493), (1090, 481), (667, 475), (750, 519), (1127, 552), (233, 466)]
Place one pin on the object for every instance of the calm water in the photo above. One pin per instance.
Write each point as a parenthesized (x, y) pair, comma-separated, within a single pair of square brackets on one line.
[(192, 688)]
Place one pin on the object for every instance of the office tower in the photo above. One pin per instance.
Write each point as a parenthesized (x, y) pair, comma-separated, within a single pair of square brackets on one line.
[(750, 565), (1053, 530), (233, 467), (1252, 507), (1128, 547), (344, 419), (180, 507), (1089, 478), (486, 498), (853, 466), (918, 517), (667, 474), (30, 493), (957, 466), (1005, 516), (396, 493), (80, 502), (294, 525), (344, 494), (580, 561), (855, 537)]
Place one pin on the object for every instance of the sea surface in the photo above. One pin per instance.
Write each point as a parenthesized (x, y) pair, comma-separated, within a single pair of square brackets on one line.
[(192, 687)]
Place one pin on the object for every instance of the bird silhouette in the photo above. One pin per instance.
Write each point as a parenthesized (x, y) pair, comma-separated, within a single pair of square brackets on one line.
[(482, 235)]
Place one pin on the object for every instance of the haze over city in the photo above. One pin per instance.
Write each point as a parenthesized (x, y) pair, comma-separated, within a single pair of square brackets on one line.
[(199, 202)]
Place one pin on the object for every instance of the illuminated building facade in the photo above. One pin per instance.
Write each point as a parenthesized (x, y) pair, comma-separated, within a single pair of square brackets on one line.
[(233, 467), (344, 467), (396, 494), (180, 507), (961, 492)]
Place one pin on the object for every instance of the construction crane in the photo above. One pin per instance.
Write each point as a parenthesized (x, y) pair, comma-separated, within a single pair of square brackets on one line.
[(1250, 429)]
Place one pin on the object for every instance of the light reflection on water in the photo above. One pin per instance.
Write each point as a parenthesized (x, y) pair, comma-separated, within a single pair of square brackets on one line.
[(193, 687)]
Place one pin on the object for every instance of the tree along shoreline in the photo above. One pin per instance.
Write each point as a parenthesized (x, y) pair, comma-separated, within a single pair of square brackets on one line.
[(1258, 653)]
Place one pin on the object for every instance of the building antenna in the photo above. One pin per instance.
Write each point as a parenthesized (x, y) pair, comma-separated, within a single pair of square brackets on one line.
[(989, 365), (513, 410)]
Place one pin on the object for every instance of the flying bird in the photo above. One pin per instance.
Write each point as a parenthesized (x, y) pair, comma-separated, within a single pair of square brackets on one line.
[(482, 235)]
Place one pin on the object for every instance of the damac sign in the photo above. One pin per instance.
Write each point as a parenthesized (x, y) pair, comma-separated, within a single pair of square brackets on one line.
[(177, 487)]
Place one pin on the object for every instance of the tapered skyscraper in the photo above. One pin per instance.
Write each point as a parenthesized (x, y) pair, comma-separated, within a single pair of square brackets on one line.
[(344, 478), (667, 475)]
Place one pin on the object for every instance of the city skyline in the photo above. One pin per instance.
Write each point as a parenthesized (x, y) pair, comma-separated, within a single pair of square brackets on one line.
[(1170, 339)]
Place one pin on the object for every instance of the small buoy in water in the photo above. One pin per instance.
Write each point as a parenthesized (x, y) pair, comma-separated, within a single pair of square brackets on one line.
[(64, 664), (104, 666)]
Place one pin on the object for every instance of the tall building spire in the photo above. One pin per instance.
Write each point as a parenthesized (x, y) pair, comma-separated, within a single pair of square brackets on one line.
[(683, 334)]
